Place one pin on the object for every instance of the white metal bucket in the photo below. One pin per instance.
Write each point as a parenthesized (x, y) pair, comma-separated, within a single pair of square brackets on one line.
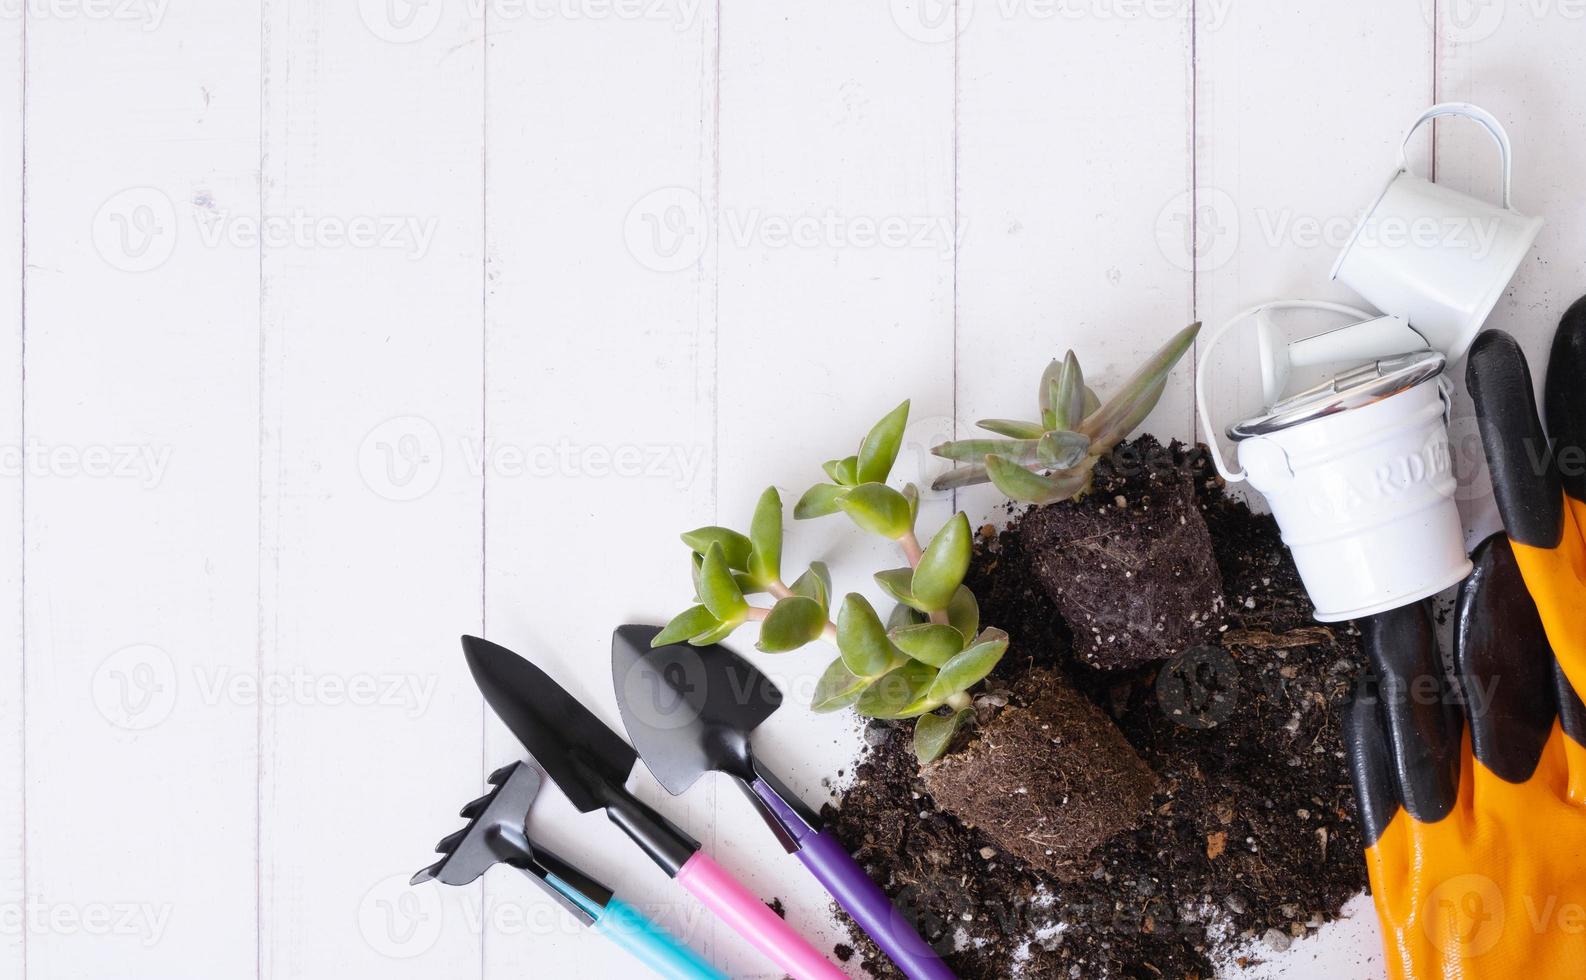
[(1364, 493), (1437, 257)]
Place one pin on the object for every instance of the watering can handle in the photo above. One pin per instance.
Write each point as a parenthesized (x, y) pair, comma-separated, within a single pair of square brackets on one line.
[(1478, 115), (1202, 387)]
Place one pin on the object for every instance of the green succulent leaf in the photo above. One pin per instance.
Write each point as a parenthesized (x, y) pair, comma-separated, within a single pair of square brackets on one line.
[(844, 472), (748, 584), (970, 667), (1061, 449), (1121, 413), (1092, 401), (718, 591), (903, 615), (879, 509), (1013, 428), (818, 501), (974, 450), (697, 562), (911, 493), (824, 574), (929, 643), (691, 622), (866, 649), (963, 613), (880, 449), (716, 635), (963, 476), (942, 567), (897, 582), (1068, 394), (765, 538), (1050, 416), (735, 547), (894, 693), (933, 733), (1113, 422), (1019, 483), (815, 584), (838, 688), (793, 622), (1045, 394)]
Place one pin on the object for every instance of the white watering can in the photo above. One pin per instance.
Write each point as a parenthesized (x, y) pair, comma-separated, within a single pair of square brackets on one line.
[(1358, 469), (1439, 258)]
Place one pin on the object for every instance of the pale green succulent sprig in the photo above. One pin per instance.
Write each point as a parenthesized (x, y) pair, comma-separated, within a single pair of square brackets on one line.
[(927, 655), (1053, 459)]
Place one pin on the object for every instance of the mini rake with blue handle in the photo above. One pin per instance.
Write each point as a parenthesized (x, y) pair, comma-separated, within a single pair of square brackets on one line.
[(497, 834)]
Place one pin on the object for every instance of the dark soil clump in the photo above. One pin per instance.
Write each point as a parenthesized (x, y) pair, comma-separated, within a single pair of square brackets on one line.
[(1066, 780), (1133, 575), (1250, 834)]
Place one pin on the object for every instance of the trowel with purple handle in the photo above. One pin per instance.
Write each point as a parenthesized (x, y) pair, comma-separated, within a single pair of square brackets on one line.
[(690, 710)]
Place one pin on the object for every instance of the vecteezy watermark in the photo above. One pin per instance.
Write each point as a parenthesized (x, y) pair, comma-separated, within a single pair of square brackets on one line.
[(932, 21), (402, 459), (677, 464), (669, 229), (142, 463), (1199, 688), (408, 234), (138, 687), (141, 921), (1464, 21), (1198, 229), (139, 229), (411, 694), (1470, 21), (135, 687), (1201, 230), (408, 21), (1465, 915), (936, 21), (135, 230), (150, 14), (402, 920)]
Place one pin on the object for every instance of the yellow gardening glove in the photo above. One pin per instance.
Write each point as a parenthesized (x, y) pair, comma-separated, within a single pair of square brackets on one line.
[(1472, 788)]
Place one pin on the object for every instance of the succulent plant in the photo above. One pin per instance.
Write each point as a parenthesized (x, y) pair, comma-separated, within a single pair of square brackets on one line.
[(1053, 458), (921, 663)]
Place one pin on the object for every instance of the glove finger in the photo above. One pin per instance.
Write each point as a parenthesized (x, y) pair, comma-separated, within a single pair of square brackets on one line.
[(1419, 715), (1504, 664), (1370, 762), (1571, 710), (1572, 718), (1564, 393), (1524, 479)]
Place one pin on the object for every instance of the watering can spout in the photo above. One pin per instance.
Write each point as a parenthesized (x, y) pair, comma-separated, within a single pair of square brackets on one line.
[(1384, 336)]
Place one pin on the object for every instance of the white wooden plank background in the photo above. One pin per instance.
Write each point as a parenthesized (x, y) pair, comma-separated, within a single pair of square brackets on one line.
[(12, 678), (420, 317)]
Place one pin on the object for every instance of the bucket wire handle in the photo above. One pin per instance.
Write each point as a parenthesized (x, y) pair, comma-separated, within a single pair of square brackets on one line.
[(1201, 387), (1478, 115)]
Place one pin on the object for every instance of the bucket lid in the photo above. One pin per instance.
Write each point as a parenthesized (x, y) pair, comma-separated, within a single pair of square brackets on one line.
[(1357, 388)]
